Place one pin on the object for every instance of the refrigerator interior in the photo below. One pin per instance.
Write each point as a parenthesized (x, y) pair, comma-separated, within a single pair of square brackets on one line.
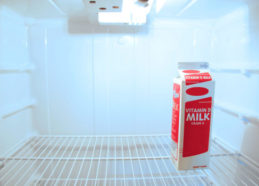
[(84, 103)]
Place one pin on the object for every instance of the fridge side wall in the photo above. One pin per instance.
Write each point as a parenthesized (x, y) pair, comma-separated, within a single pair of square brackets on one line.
[(236, 65), (15, 81), (111, 83)]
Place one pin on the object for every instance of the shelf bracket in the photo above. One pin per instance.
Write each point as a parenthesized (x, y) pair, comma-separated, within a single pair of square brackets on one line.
[(16, 108)]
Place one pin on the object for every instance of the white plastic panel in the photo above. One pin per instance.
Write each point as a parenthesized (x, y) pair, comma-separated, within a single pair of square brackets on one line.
[(233, 47), (13, 38), (39, 78), (62, 83), (111, 83), (15, 122)]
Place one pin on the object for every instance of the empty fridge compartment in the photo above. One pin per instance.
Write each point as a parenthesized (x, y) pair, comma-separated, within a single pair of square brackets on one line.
[(116, 160)]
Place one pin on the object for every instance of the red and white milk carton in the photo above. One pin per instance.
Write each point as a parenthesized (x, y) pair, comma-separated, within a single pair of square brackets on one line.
[(192, 114)]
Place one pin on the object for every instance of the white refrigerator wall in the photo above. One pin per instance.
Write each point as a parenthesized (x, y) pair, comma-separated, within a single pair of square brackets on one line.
[(234, 60), (15, 81), (111, 83)]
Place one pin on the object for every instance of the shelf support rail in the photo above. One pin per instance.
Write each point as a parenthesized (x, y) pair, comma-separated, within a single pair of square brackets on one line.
[(16, 69), (16, 108), (245, 71), (245, 117)]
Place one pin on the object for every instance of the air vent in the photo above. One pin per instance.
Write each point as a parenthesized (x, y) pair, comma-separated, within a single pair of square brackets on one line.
[(95, 6)]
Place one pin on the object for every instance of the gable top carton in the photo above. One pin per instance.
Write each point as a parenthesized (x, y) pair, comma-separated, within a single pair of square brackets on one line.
[(193, 93)]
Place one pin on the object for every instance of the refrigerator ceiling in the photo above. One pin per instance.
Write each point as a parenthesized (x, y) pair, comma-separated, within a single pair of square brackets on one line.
[(188, 9)]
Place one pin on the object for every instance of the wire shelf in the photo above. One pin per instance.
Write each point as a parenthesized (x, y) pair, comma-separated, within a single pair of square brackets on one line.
[(116, 160)]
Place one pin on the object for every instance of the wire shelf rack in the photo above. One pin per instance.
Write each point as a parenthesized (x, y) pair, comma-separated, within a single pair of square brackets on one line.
[(116, 160)]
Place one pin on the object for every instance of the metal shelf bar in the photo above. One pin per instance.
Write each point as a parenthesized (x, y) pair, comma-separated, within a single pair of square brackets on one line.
[(42, 162), (223, 172), (131, 162), (139, 161), (123, 163), (70, 172), (117, 160), (81, 166), (91, 163), (30, 165), (112, 179), (105, 136), (168, 172), (50, 162), (115, 146), (98, 166), (106, 172), (234, 166), (15, 164), (157, 165), (147, 163), (65, 164), (174, 168)]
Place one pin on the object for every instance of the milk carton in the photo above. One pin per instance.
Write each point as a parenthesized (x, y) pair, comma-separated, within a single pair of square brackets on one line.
[(193, 93)]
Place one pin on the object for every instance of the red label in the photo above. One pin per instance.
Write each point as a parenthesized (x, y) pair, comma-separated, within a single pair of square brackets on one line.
[(176, 108), (191, 71), (197, 127), (197, 78), (197, 91)]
